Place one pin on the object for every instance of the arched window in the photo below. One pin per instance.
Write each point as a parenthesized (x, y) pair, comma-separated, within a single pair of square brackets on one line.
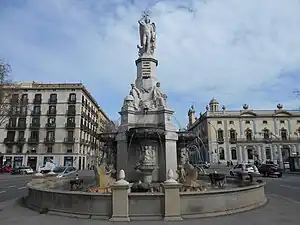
[(266, 133), (248, 134), (222, 153), (232, 134), (220, 135), (233, 154), (268, 153), (283, 134), (250, 153)]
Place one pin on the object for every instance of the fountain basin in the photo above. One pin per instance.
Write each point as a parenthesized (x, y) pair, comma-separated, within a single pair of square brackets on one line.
[(145, 206)]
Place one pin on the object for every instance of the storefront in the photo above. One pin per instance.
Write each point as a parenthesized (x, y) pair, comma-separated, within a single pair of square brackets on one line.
[(18, 161), (1, 159), (68, 161), (47, 159), (32, 161), (7, 161)]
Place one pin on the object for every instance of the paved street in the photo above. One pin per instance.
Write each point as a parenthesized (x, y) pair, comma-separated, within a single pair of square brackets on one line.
[(13, 186), (283, 207)]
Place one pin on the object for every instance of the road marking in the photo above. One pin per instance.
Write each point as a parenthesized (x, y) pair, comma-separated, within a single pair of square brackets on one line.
[(22, 188), (2, 192), (12, 186), (285, 198), (292, 187)]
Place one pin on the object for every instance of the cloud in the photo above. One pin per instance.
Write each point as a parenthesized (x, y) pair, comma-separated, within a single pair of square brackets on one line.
[(237, 51)]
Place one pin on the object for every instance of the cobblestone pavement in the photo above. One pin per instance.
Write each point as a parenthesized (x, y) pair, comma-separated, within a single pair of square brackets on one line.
[(278, 211)]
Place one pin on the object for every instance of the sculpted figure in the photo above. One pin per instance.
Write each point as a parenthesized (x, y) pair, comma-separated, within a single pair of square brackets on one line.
[(147, 36), (136, 94), (159, 98), (148, 155)]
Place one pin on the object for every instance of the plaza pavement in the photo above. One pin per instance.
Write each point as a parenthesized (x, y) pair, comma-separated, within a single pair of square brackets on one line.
[(278, 211)]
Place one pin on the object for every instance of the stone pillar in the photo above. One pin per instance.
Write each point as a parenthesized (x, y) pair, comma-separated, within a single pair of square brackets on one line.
[(280, 157), (294, 150), (258, 150), (240, 154), (172, 198), (273, 155), (245, 154), (120, 208), (122, 150), (171, 152), (263, 154)]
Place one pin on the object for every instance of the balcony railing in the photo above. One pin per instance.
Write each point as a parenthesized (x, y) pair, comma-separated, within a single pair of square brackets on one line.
[(11, 126), (269, 140), (69, 140), (52, 101), (20, 141), (51, 112), (21, 126), (70, 125), (72, 100), (9, 141), (70, 112), (50, 125), (220, 140), (35, 126), (36, 113), (32, 140), (49, 140), (232, 140), (37, 101)]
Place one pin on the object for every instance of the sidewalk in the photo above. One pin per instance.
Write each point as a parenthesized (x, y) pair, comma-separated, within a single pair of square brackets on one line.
[(277, 212)]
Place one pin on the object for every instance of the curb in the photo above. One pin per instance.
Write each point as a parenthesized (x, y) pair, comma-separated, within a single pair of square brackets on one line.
[(8, 203)]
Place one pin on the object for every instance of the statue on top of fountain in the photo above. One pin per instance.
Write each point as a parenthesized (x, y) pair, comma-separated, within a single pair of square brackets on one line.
[(147, 36)]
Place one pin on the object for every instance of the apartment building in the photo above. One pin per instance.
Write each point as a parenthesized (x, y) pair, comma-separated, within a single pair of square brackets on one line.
[(247, 134), (56, 122)]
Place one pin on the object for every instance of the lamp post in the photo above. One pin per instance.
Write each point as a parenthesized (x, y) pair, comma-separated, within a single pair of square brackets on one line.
[(217, 143)]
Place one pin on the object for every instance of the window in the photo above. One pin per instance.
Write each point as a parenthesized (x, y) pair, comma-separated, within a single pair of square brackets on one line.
[(219, 122), (51, 120), (72, 97), (220, 134), (23, 110), (250, 153), (249, 135), (71, 108), (82, 99), (53, 97), (247, 122), (12, 122), (50, 135), (14, 110), (266, 133), (34, 135), (15, 99), (21, 134), (233, 154), (37, 109), (283, 134), (49, 149), (282, 121), (71, 120), (265, 122), (232, 134), (35, 120), (24, 97), (70, 135), (298, 121), (38, 98), (52, 109), (231, 122), (69, 150), (22, 122), (11, 135), (222, 153)]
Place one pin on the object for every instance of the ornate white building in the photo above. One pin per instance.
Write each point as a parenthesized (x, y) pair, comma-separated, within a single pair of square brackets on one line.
[(246, 135)]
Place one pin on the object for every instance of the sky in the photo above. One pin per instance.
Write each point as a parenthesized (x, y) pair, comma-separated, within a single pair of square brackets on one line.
[(238, 51)]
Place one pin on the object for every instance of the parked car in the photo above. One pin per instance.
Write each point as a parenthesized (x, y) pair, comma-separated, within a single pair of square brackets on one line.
[(243, 168), (22, 170), (270, 169), (5, 169), (65, 171)]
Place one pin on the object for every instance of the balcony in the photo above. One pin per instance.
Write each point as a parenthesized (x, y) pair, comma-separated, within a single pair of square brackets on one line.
[(34, 126), (50, 125), (35, 113), (11, 126), (52, 101), (69, 140), (70, 125), (33, 141), (220, 140), (20, 141), (232, 140), (70, 112), (37, 101), (49, 141), (51, 113), (9, 141)]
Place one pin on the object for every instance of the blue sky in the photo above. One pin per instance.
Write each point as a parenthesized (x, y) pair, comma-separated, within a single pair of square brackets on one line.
[(237, 51)]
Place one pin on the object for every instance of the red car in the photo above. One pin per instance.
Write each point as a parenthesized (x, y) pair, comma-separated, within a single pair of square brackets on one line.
[(5, 169)]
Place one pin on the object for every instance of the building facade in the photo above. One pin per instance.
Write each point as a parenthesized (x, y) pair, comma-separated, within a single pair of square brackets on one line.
[(50, 121), (246, 135)]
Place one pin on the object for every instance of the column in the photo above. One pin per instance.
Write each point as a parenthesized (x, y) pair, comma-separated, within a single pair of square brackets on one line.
[(120, 208), (239, 154), (258, 150), (122, 152), (274, 154), (172, 198), (263, 154), (280, 157), (171, 152), (245, 154)]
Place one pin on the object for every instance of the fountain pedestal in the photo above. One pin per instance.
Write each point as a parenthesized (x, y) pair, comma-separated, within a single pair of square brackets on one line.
[(147, 170)]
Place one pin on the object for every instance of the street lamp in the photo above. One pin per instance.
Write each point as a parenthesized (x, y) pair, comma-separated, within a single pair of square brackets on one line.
[(216, 132)]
